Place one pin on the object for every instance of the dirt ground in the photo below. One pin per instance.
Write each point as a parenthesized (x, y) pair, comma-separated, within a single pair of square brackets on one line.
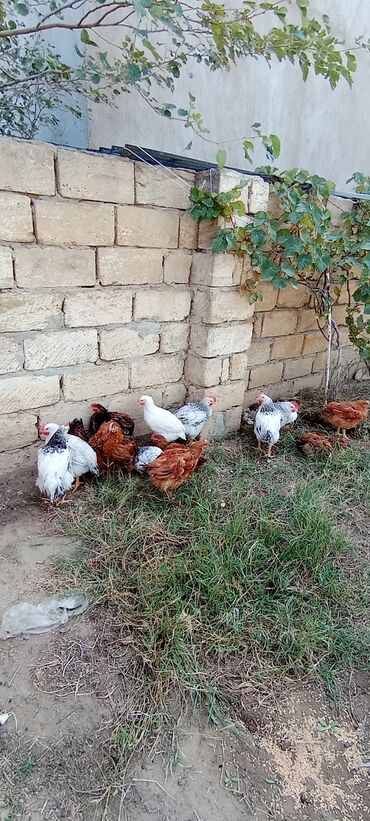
[(300, 756)]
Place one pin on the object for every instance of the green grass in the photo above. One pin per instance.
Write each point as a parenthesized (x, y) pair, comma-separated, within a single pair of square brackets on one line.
[(255, 569)]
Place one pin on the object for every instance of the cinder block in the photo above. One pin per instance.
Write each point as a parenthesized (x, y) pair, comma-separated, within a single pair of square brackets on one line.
[(188, 236), (11, 354), (165, 305), (287, 347), (177, 267), (293, 297), (238, 365), (130, 266), (270, 296), (147, 227), (259, 353), (100, 380), (24, 392), (209, 341), (265, 374), (15, 218), (59, 222), (122, 343), (17, 430), (157, 370), (216, 306), (174, 337), (85, 176), (30, 312), (307, 321), (298, 367), (155, 186), (59, 349), (6, 267), (314, 343), (51, 267), (174, 394), (26, 166), (201, 371), (279, 323), (97, 307), (215, 270)]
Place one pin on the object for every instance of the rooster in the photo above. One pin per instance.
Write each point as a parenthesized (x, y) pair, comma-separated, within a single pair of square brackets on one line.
[(195, 415), (113, 447), (175, 466), (162, 421), (345, 415), (267, 423), (54, 472), (101, 414), (316, 442)]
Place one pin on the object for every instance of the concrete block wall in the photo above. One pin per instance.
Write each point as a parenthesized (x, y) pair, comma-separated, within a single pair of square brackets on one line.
[(109, 290), (95, 257)]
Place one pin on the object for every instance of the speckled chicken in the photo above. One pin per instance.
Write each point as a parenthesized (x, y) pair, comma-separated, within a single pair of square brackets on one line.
[(194, 415)]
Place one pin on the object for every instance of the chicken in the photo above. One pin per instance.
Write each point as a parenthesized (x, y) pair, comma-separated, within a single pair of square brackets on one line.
[(54, 472), (113, 447), (101, 414), (161, 442), (288, 410), (267, 423), (195, 415), (345, 415), (316, 442), (175, 466), (162, 421), (82, 456), (77, 428), (146, 455)]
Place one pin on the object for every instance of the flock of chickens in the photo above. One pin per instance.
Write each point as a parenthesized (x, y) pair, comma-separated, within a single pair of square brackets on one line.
[(175, 451)]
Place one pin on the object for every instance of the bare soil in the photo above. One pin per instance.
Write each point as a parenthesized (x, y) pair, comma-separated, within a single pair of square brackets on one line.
[(299, 755)]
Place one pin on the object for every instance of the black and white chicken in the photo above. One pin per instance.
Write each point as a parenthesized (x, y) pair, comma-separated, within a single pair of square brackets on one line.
[(267, 424), (144, 457), (195, 415), (55, 475)]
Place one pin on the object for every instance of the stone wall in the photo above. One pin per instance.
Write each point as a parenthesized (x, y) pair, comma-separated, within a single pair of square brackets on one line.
[(108, 291)]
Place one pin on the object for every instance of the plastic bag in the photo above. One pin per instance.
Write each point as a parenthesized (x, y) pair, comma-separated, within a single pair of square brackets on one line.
[(30, 619)]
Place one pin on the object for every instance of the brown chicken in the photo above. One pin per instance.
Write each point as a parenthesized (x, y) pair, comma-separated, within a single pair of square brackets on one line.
[(345, 415), (160, 442), (101, 414), (316, 442), (175, 465), (114, 448), (77, 428)]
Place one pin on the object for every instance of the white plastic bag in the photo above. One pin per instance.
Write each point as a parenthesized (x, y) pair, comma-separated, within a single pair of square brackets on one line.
[(28, 619)]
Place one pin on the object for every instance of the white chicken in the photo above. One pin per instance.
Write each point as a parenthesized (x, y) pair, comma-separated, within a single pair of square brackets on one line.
[(55, 474), (146, 455), (83, 458), (162, 421), (267, 423), (195, 415)]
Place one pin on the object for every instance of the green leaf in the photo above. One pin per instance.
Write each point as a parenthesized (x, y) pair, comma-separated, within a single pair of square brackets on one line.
[(182, 112), (22, 9), (189, 146), (221, 157), (133, 73)]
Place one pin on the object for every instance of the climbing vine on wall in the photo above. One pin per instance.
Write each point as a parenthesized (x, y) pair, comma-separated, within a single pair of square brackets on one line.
[(296, 243)]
